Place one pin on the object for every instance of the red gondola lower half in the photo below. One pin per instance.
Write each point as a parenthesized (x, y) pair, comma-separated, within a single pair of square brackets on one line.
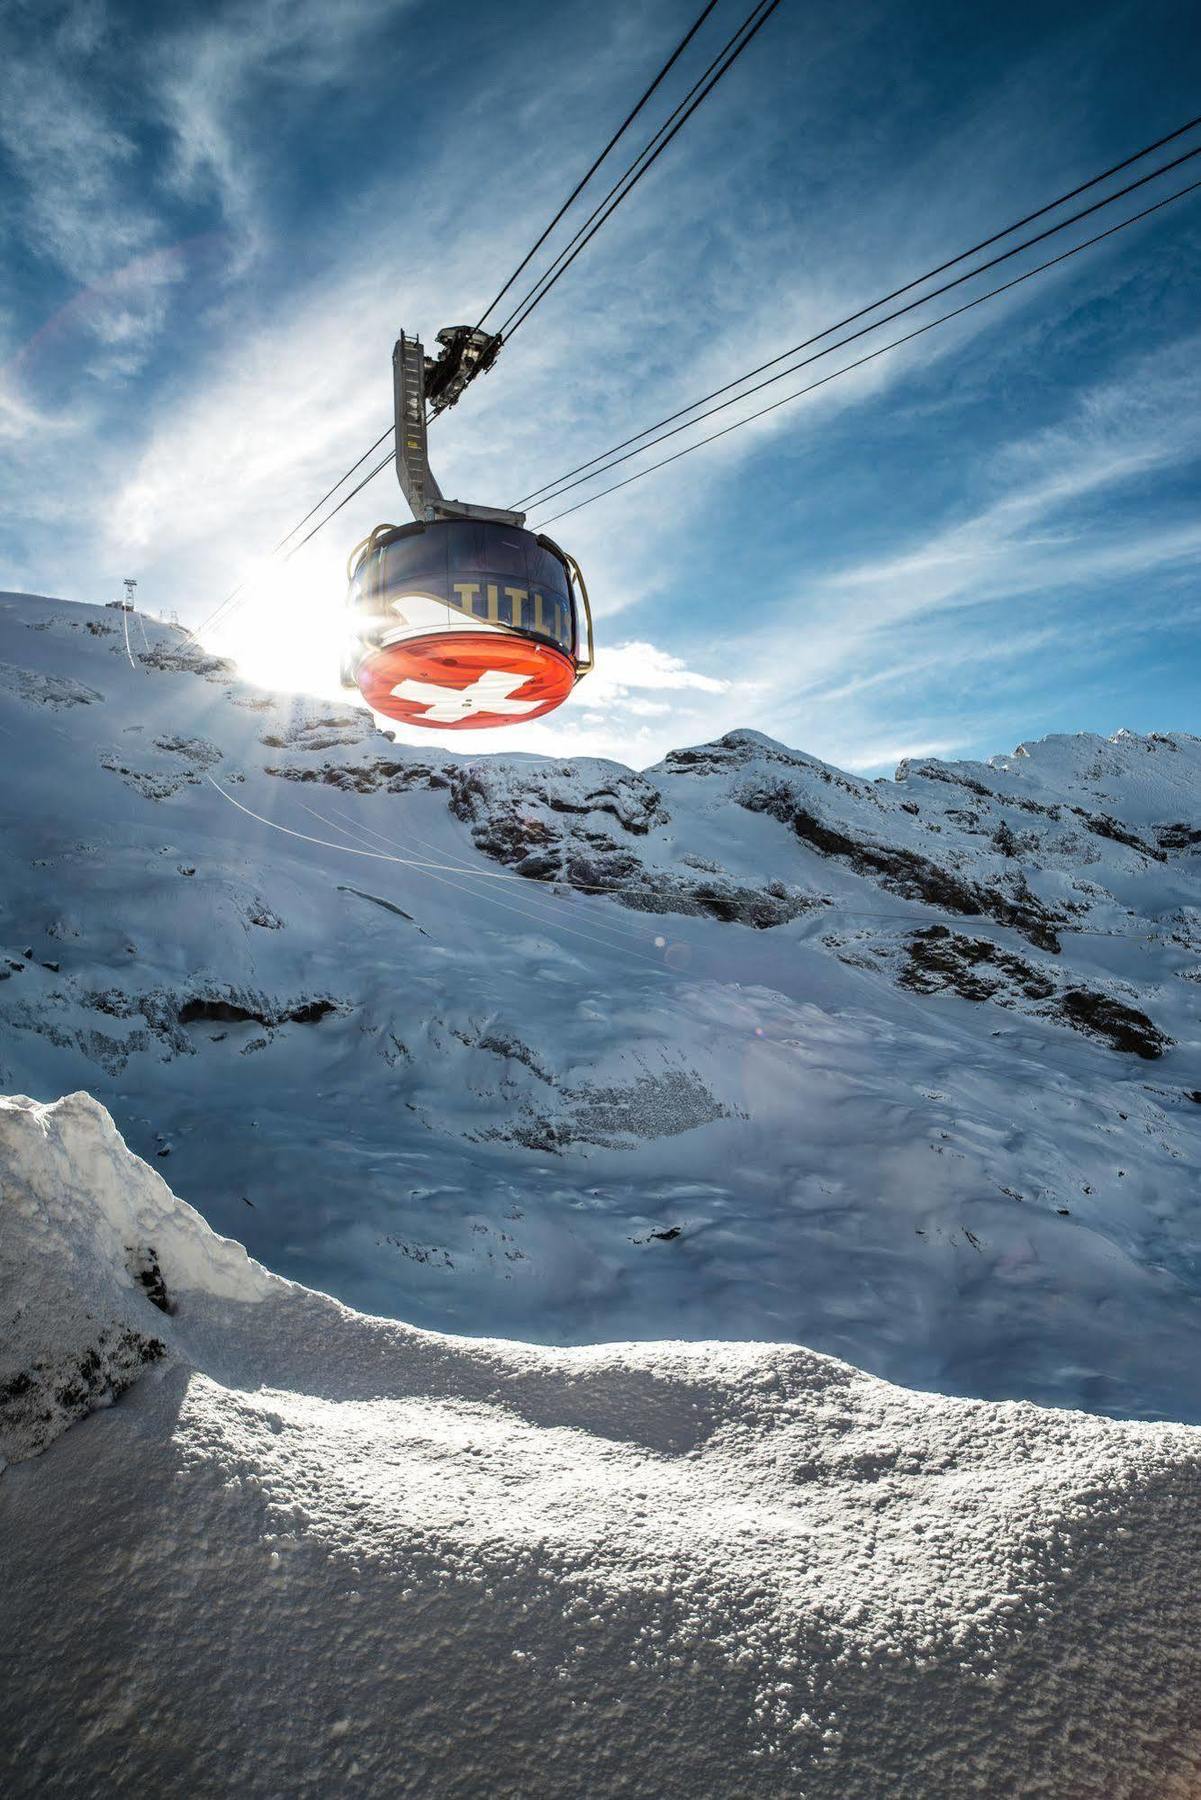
[(465, 624)]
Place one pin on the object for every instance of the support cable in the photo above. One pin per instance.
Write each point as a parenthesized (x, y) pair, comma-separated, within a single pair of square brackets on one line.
[(587, 177), (346, 499), (943, 318), (894, 344), (241, 587), (722, 62), (553, 490)]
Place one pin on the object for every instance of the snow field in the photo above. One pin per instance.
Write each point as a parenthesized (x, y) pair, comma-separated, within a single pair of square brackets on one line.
[(739, 1092)]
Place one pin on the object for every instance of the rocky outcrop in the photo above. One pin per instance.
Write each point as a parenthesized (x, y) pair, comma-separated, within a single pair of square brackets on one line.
[(373, 775), (244, 1009), (58, 692), (904, 871), (40, 1400), (939, 961), (61, 1016)]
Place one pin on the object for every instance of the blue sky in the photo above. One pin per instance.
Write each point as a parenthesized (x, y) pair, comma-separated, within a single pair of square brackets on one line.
[(216, 218)]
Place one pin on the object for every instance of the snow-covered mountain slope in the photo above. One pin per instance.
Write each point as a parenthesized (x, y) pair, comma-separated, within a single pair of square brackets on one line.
[(740, 1046), (313, 1553)]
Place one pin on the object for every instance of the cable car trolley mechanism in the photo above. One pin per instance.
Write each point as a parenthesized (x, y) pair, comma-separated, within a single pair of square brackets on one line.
[(463, 619)]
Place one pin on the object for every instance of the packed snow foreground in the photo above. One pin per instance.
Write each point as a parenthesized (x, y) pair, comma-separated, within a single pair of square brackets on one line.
[(311, 1552)]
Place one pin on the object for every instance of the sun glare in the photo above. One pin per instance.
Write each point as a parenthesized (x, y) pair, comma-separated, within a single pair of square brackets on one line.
[(287, 628)]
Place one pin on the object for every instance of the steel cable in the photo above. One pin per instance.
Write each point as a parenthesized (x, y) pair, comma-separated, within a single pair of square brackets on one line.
[(722, 62), (542, 493), (555, 489), (895, 344), (587, 177), (559, 489)]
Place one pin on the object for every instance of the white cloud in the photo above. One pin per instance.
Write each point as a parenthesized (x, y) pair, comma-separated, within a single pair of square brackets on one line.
[(1039, 534), (642, 665), (867, 758), (21, 417)]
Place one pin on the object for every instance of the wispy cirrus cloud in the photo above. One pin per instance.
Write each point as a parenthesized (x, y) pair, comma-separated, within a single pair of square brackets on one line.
[(214, 78), (984, 605), (78, 201), (1052, 521)]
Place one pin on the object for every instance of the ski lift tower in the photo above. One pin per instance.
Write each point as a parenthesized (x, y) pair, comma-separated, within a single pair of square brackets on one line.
[(130, 589)]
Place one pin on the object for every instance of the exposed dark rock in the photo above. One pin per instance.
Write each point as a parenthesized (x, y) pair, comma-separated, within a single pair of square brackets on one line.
[(54, 691), (905, 871), (193, 1011), (379, 774), (613, 1118), (158, 1008), (1179, 836), (326, 731), (1125, 1027), (489, 800), (972, 967), (310, 1012), (191, 749), (539, 865), (38, 1402), (939, 960), (143, 1266), (187, 658), (217, 1009), (1101, 825), (259, 913), (520, 827), (153, 784), (506, 1045)]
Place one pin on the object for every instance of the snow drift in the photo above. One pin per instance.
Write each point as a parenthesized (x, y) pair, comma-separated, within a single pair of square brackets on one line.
[(313, 1552)]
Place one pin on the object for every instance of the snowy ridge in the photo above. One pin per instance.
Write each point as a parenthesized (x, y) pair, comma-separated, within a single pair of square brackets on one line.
[(738, 1046), (311, 1552)]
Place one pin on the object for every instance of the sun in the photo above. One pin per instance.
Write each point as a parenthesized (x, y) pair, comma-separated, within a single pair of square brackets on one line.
[(287, 628)]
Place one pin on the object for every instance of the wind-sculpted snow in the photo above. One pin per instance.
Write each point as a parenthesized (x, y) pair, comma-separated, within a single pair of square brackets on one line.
[(308, 1552), (82, 1224), (739, 1045)]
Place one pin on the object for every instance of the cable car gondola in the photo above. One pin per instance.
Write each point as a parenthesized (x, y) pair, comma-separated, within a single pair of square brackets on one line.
[(463, 619)]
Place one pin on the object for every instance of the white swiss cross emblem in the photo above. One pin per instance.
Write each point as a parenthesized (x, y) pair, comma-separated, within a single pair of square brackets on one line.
[(489, 693)]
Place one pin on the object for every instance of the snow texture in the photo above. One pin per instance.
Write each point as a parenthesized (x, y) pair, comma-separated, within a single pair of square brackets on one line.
[(311, 1552), (740, 1046)]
